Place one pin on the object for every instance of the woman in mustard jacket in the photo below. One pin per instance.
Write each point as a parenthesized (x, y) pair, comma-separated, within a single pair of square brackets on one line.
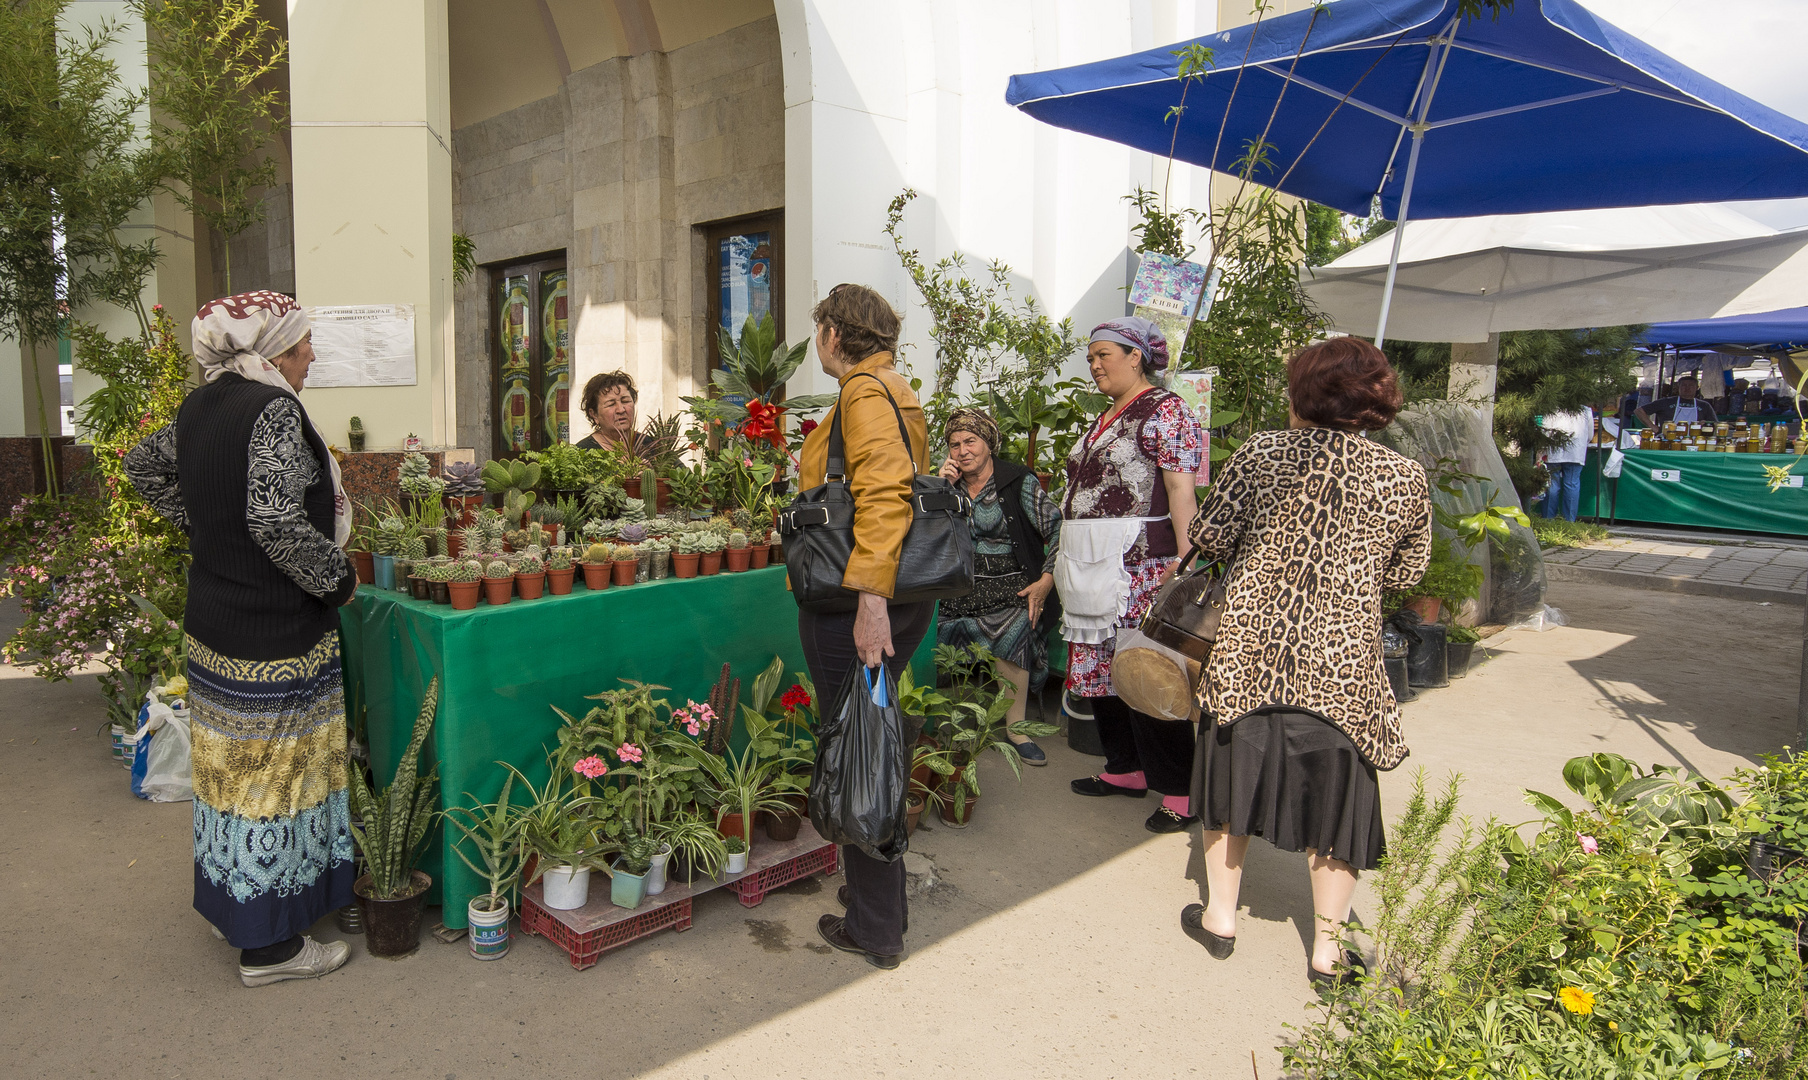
[(856, 332)]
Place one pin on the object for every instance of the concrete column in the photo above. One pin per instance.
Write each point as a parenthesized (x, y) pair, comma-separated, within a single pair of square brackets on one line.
[(373, 194), (1474, 368)]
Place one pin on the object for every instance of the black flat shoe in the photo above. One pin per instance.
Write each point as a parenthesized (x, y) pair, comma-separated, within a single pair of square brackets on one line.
[(1351, 969), (1098, 785), (841, 897), (1192, 920), (833, 929), (1164, 820)]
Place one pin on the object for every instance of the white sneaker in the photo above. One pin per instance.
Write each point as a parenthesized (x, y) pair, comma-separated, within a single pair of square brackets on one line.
[(314, 960), (217, 936)]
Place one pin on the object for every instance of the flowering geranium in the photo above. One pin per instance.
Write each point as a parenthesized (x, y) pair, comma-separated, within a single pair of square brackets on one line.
[(591, 767), (795, 698), (695, 718), (628, 753)]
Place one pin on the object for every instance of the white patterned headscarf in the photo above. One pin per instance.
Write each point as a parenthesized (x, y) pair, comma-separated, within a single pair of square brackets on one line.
[(243, 334)]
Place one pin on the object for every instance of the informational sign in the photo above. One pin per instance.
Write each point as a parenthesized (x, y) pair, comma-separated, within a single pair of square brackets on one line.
[(1195, 388), (1668, 476), (1172, 293), (362, 345)]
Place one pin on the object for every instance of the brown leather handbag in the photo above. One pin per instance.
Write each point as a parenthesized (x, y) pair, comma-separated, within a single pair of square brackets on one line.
[(1156, 668), (1187, 610)]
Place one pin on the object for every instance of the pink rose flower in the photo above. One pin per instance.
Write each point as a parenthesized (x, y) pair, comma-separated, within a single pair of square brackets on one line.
[(1589, 843), (591, 767), (628, 752)]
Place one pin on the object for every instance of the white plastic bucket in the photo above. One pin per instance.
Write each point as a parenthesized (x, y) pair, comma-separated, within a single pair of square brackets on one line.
[(566, 887), (489, 930), (656, 875)]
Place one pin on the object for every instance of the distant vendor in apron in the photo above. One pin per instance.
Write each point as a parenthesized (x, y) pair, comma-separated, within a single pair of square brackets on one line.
[(1684, 408), (1129, 496)]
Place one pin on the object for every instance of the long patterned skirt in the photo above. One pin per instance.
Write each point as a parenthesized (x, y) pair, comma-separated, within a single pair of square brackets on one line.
[(273, 847)]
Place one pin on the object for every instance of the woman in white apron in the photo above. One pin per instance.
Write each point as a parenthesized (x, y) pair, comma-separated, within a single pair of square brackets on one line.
[(1129, 498)]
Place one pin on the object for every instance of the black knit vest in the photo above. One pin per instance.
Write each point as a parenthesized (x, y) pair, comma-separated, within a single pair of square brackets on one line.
[(239, 603)]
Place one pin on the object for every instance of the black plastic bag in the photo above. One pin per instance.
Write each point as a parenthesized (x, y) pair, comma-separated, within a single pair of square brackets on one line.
[(862, 777)]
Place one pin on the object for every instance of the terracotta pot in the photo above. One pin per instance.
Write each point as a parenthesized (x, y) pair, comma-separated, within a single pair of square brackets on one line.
[(738, 558), (761, 553), (913, 812), (711, 563), (624, 571), (466, 507), (957, 806), (392, 928), (498, 590), (1428, 607), (559, 581), (530, 585), (596, 575), (685, 566), (367, 569), (440, 591), (463, 594), (420, 588), (731, 826), (455, 545)]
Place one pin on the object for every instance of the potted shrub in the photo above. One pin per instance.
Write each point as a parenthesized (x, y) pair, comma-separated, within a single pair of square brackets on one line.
[(598, 563), (464, 490), (1460, 649), (628, 884), (759, 551), (492, 834), (697, 846), (354, 436), (966, 721), (559, 839), (498, 582), (464, 581), (391, 828), (626, 564), (739, 553), (688, 555), (530, 576), (711, 545)]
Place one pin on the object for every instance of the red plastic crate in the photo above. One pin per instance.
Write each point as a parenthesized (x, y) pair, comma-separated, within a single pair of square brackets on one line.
[(753, 886), (585, 947)]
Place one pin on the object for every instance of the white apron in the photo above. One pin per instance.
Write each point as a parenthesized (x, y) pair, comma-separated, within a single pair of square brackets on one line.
[(1091, 577)]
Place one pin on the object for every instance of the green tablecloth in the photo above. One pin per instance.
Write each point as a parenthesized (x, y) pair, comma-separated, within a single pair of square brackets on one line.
[(502, 668), (1685, 487)]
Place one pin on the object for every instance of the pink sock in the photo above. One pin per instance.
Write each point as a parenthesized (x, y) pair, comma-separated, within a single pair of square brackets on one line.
[(1177, 803), (1128, 780)]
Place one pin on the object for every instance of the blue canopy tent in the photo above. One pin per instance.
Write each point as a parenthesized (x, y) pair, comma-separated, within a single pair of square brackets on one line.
[(1540, 107), (1772, 331)]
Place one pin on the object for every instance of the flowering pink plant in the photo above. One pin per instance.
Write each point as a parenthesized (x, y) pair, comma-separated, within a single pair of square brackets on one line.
[(628, 752), (695, 718), (591, 767), (1589, 843)]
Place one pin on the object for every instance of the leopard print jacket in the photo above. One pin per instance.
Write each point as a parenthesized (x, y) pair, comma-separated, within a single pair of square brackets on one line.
[(1318, 522)]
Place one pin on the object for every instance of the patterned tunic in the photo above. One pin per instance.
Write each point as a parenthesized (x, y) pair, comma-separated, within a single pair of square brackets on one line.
[(1319, 522), (1116, 472), (994, 615)]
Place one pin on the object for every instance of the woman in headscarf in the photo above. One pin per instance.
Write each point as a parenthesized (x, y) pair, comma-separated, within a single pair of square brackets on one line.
[(244, 472), (1016, 538), (1130, 497)]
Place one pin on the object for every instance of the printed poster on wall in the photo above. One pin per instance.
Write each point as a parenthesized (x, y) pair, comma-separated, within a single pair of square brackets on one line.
[(1195, 388), (362, 345), (1168, 292)]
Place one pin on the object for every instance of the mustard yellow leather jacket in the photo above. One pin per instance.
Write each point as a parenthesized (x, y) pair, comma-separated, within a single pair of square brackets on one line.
[(879, 468)]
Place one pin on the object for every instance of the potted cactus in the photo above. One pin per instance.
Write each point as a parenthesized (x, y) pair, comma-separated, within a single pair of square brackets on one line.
[(760, 548), (355, 436), (498, 582), (711, 545), (464, 580), (559, 570), (688, 555), (739, 551), (530, 576), (598, 558), (438, 577), (659, 555), (386, 544), (414, 556), (626, 562)]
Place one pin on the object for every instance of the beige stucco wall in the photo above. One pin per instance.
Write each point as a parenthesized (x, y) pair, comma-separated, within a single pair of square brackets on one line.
[(617, 169)]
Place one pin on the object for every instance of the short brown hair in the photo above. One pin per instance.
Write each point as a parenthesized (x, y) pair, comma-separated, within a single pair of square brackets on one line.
[(864, 319), (1343, 383), (602, 384)]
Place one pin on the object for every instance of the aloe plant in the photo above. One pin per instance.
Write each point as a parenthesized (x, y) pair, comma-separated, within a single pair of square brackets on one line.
[(493, 830), (395, 822)]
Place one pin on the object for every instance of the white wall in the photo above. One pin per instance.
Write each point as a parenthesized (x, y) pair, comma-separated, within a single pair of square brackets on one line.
[(880, 97)]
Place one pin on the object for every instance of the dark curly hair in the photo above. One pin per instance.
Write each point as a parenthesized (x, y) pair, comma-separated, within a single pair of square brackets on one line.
[(1343, 383), (602, 384), (864, 319)]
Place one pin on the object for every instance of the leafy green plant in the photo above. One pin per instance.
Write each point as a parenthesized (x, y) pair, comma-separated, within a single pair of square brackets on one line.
[(565, 467), (695, 840), (969, 719), (492, 834), (558, 823), (1463, 635), (1558, 533), (392, 827)]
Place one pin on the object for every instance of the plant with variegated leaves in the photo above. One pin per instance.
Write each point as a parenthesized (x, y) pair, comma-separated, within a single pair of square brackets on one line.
[(393, 824)]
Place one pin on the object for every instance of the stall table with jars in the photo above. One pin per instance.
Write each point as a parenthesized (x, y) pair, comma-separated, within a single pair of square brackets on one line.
[(1709, 475), (502, 668)]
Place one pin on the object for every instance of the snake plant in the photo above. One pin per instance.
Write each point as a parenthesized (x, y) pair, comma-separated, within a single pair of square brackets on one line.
[(394, 823)]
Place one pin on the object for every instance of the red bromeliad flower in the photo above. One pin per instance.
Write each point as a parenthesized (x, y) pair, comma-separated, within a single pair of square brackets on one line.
[(764, 423), (795, 698)]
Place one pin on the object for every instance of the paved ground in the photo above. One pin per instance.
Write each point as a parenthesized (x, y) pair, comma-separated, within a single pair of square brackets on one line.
[(1775, 571), (1050, 950)]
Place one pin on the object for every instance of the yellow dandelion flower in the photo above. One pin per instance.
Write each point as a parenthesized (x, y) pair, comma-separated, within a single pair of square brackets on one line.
[(1577, 1000)]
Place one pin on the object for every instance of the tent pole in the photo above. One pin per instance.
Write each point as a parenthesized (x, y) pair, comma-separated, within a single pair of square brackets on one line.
[(1434, 71)]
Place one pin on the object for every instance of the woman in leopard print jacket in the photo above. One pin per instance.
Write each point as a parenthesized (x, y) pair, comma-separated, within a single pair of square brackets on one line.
[(1316, 521)]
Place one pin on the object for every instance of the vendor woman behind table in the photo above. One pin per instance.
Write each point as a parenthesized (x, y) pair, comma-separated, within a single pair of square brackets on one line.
[(1686, 407), (1129, 499), (609, 402)]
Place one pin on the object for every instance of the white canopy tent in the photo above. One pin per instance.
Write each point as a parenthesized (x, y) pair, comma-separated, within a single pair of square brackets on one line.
[(1461, 279)]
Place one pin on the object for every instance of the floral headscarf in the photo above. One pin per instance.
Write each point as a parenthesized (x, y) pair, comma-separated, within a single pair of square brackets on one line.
[(1133, 332), (977, 421)]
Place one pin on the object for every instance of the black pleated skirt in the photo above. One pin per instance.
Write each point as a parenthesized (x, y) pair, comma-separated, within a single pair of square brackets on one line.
[(1294, 779)]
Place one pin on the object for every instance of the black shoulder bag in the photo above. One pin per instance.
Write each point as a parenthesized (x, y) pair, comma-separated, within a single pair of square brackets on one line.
[(935, 563)]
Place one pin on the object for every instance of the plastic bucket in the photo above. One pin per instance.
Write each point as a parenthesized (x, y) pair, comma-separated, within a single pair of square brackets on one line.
[(489, 930), (565, 888), (1082, 729), (1428, 659)]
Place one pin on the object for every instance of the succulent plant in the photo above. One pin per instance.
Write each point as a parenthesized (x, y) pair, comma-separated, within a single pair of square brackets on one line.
[(463, 479), (530, 565), (660, 527), (470, 539), (559, 558), (709, 543), (742, 518), (691, 543), (414, 548), (498, 569), (721, 525), (357, 424), (547, 514), (737, 540), (598, 529), (625, 553), (465, 570), (389, 533), (417, 476), (599, 553), (656, 544), (632, 533), (538, 536), (633, 510)]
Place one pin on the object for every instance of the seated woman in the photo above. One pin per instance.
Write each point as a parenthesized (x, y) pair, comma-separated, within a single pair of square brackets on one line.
[(1016, 536), (609, 402)]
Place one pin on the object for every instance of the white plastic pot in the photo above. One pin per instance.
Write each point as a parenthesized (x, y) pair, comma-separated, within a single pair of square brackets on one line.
[(737, 862), (566, 887), (489, 935), (656, 876)]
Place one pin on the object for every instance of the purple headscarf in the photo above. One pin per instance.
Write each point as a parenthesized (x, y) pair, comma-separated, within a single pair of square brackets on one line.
[(1133, 332)]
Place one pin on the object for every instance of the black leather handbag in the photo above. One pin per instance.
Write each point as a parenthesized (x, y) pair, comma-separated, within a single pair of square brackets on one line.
[(1186, 611), (936, 562)]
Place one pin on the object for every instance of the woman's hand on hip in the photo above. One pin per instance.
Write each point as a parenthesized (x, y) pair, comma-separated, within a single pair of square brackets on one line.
[(872, 630), (1036, 592)]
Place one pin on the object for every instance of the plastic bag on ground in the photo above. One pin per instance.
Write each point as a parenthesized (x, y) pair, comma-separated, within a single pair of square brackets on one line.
[(1542, 619), (862, 777), (168, 770)]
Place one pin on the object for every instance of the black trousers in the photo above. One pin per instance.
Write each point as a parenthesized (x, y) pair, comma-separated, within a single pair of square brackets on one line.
[(1162, 750), (876, 900)]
